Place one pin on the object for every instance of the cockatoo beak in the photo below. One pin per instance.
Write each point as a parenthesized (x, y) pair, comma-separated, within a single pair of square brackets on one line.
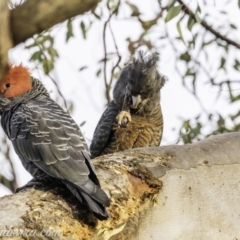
[(136, 100)]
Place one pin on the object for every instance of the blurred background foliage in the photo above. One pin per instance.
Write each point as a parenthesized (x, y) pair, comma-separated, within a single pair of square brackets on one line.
[(201, 29)]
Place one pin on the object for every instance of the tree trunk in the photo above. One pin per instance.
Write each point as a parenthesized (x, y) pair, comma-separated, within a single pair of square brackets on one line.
[(5, 37), (170, 192)]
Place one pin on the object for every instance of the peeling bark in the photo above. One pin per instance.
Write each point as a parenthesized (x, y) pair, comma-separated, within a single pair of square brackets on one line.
[(138, 182), (33, 17), (5, 37)]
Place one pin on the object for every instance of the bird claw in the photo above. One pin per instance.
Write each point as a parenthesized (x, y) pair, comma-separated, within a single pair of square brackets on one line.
[(123, 118)]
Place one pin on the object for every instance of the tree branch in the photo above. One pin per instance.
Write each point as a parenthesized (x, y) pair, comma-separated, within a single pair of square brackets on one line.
[(188, 11), (5, 37), (137, 180), (44, 14)]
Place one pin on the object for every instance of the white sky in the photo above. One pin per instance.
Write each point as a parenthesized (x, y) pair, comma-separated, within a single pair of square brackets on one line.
[(85, 90)]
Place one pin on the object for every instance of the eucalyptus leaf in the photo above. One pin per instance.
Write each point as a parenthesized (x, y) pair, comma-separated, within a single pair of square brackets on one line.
[(180, 32), (173, 12), (69, 30)]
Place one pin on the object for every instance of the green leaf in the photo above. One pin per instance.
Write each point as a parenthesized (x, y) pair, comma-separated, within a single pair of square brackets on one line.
[(225, 47), (7, 183), (48, 66), (31, 45), (180, 32), (69, 30), (237, 65), (222, 64), (98, 72), (235, 98), (239, 3), (207, 43), (186, 124), (83, 28), (134, 8), (83, 68), (146, 25), (192, 42), (235, 116), (53, 53), (50, 39), (185, 57), (233, 26), (198, 19), (173, 12), (190, 23), (198, 9), (82, 123), (70, 106), (223, 12), (36, 56)]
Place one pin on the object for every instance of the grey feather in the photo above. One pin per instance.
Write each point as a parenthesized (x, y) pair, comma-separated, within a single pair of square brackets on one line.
[(50, 144)]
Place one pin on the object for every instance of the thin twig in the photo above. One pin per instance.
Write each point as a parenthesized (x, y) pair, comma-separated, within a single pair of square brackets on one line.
[(107, 91), (59, 92), (118, 54), (188, 11)]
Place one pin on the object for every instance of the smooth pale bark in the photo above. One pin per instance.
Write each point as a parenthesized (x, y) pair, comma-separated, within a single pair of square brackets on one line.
[(170, 192), (5, 37), (33, 17)]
